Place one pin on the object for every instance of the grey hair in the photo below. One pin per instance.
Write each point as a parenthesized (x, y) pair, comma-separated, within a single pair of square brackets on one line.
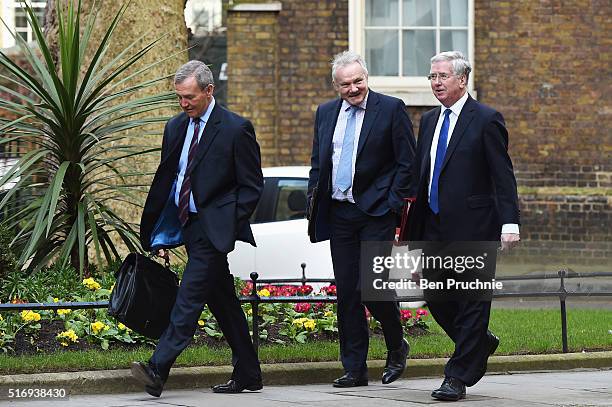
[(461, 65), (346, 58), (197, 69)]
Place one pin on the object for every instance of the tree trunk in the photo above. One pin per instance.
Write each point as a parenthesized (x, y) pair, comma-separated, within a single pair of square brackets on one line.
[(155, 18)]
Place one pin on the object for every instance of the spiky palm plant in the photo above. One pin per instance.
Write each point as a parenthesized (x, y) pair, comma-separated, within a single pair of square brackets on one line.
[(83, 120)]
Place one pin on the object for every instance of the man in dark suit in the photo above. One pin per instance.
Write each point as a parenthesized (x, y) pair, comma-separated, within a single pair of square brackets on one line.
[(466, 192), (361, 162), (205, 189)]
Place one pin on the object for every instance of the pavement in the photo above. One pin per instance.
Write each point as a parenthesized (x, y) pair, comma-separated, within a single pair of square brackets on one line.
[(572, 379), (526, 389)]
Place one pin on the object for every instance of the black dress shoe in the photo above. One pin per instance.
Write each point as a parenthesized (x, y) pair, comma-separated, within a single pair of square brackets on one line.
[(351, 380), (452, 389), (145, 374), (396, 363), (234, 386), (493, 342)]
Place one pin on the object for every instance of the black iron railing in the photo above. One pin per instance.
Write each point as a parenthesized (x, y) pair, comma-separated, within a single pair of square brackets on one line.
[(254, 299)]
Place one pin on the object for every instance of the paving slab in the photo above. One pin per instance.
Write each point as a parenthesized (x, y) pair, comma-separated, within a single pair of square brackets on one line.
[(575, 388)]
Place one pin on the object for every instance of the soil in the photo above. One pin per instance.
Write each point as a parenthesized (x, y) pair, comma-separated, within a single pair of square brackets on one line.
[(44, 340)]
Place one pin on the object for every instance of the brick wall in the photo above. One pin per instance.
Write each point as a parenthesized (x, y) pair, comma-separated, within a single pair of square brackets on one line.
[(564, 230), (311, 34), (252, 69), (545, 65), (279, 71)]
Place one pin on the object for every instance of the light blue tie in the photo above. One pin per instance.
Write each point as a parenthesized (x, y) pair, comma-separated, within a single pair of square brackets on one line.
[(344, 177), (440, 153)]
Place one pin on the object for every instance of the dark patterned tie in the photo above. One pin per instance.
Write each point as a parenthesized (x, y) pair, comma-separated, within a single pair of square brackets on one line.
[(183, 207)]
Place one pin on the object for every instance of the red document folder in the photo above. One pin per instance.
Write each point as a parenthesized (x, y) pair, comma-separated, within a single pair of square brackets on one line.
[(402, 234)]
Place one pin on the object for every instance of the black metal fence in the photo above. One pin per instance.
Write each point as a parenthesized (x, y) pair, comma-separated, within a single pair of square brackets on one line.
[(254, 299)]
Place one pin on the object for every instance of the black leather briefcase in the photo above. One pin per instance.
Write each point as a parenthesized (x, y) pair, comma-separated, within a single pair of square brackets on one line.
[(143, 296)]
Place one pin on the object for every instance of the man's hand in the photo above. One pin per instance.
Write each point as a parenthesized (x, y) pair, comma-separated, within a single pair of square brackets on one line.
[(163, 253), (509, 240)]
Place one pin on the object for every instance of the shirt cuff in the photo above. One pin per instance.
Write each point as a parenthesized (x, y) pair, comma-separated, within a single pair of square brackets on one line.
[(510, 228)]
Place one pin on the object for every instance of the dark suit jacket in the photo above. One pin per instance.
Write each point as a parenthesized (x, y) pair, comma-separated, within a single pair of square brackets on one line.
[(226, 183), (383, 166), (476, 188)]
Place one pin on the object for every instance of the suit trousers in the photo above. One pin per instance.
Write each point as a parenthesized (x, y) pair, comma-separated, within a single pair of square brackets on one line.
[(465, 322), (349, 228), (206, 280)]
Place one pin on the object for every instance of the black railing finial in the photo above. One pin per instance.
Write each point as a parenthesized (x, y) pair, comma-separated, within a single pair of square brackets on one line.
[(303, 266)]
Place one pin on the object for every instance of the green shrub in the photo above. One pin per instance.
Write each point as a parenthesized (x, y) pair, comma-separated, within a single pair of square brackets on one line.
[(7, 257), (85, 116)]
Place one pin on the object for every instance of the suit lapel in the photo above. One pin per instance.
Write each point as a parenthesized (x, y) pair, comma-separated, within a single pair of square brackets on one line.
[(465, 117), (428, 134), (327, 136), (208, 135), (369, 119), (179, 137)]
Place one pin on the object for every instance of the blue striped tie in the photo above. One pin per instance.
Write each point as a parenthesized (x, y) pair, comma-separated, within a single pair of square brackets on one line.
[(344, 177), (440, 153)]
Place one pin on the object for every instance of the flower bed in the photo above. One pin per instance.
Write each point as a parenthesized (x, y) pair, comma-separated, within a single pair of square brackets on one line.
[(50, 330)]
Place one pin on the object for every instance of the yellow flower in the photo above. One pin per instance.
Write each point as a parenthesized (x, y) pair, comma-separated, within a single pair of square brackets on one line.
[(200, 322), (310, 324), (249, 311), (1, 319), (30, 316), (63, 311), (299, 321), (263, 292), (55, 299), (328, 313), (91, 284), (98, 326), (121, 326), (66, 336)]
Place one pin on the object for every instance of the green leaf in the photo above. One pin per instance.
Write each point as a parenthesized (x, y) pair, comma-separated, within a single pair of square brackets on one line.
[(80, 131), (56, 189)]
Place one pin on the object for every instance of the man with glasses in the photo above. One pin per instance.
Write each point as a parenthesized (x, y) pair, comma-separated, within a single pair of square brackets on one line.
[(466, 192)]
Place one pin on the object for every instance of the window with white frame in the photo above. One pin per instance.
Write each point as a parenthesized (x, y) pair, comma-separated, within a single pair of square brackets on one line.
[(398, 37), (15, 17), (203, 16)]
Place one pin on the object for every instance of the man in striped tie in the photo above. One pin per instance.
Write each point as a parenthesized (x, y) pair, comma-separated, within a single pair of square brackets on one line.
[(205, 189)]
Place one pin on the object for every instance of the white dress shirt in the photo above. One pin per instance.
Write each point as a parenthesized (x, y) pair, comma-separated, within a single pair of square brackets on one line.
[(338, 139), (453, 117)]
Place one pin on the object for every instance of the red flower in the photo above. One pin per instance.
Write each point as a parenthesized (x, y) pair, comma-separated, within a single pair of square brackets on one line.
[(319, 306), (329, 290), (367, 313), (302, 307), (247, 289), (272, 289), (305, 289), (421, 312), (405, 315)]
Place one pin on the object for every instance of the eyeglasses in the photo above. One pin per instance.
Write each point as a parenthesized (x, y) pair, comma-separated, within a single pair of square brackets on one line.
[(435, 76)]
